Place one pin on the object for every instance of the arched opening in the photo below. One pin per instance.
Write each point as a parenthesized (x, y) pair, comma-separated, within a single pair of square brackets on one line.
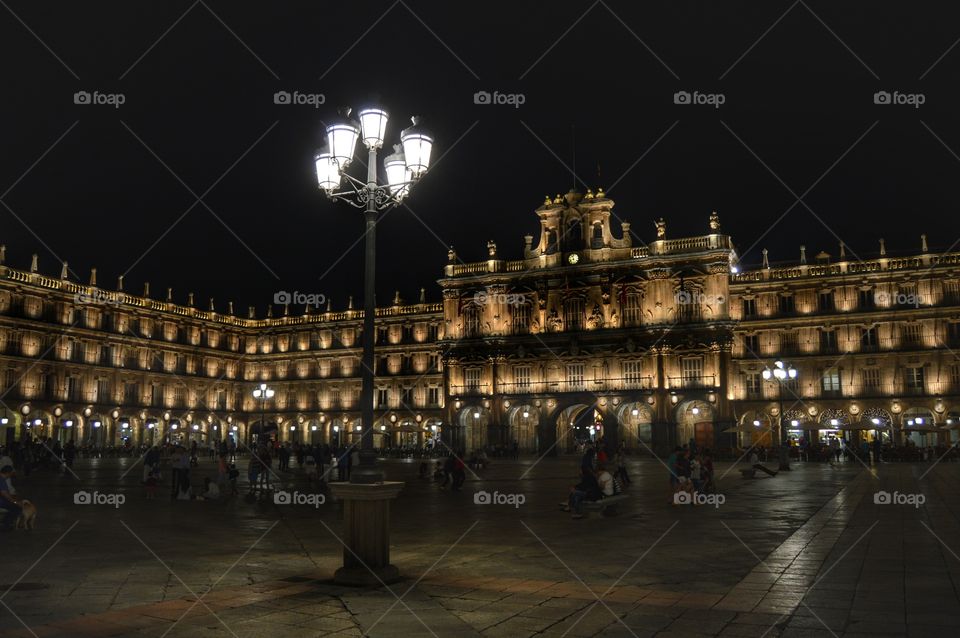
[(577, 425), (952, 425), (755, 429), (919, 427), (474, 420), (695, 423), (635, 421), (522, 421)]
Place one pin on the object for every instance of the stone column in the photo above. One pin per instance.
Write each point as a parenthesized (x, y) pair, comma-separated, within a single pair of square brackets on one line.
[(366, 532)]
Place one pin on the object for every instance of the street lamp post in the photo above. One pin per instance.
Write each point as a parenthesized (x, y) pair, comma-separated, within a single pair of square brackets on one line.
[(262, 392), (781, 373), (366, 556), (403, 168)]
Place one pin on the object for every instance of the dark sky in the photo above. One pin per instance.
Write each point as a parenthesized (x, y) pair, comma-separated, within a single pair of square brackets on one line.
[(199, 92)]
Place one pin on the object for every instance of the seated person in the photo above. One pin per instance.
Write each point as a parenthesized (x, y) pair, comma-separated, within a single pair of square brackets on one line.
[(605, 481), (588, 489), (9, 501), (755, 464), (211, 490)]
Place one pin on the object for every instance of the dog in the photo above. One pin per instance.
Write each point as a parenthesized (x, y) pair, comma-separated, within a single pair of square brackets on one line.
[(28, 516)]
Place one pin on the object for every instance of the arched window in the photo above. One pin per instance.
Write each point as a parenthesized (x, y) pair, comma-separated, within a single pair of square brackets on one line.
[(597, 241), (471, 321)]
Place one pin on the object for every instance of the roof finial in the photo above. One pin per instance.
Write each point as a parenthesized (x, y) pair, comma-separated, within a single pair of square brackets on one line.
[(169, 295), (212, 307), (451, 254), (843, 250), (328, 305), (251, 312), (396, 298), (661, 228), (270, 311), (33, 263), (190, 299), (63, 271), (492, 248), (93, 276), (350, 303), (766, 260), (120, 283), (883, 247), (803, 254), (714, 221), (3, 253), (146, 289), (923, 243), (230, 308), (423, 295)]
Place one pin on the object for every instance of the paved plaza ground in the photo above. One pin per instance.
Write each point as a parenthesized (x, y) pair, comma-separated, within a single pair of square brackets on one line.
[(807, 553)]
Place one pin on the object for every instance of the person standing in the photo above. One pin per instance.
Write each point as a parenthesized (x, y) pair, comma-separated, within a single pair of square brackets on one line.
[(9, 501)]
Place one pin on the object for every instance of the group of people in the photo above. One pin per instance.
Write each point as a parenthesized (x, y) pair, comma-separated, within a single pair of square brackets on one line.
[(596, 480), (691, 471)]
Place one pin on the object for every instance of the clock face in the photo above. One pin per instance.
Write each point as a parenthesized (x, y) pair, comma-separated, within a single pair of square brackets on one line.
[(573, 258)]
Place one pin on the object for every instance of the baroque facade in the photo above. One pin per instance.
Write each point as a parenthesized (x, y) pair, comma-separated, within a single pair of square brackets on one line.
[(587, 336)]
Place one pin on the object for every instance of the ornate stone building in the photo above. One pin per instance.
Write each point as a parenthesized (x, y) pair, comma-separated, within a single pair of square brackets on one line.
[(587, 335)]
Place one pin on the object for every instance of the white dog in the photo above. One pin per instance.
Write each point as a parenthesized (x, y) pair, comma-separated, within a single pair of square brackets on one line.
[(28, 516)]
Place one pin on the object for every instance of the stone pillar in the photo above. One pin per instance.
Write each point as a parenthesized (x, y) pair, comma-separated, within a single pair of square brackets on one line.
[(366, 532)]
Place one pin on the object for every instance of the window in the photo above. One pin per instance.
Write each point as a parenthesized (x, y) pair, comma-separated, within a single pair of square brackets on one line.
[(825, 301), (521, 376), (870, 378), (383, 397), (433, 332), (953, 334), (951, 292), (180, 397), (575, 376), (828, 341), (406, 397), (753, 383), (788, 342), (749, 308), (915, 379), (912, 334), (471, 378), (433, 395), (335, 397), (692, 370), (156, 396), (471, 321), (786, 304), (632, 310), (868, 339), (73, 393), (955, 376), (434, 363), (573, 314), (103, 391), (865, 299), (382, 334), (631, 373), (751, 344), (521, 318), (830, 382), (131, 393)]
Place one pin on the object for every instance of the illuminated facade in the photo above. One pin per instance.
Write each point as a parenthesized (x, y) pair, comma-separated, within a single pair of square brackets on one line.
[(587, 335)]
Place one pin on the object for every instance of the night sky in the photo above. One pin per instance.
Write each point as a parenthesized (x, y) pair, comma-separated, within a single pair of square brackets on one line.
[(113, 187)]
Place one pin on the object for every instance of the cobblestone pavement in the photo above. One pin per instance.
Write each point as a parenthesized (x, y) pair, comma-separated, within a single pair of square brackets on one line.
[(807, 553)]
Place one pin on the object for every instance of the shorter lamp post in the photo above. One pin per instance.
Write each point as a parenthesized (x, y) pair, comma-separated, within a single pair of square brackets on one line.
[(781, 373), (262, 392)]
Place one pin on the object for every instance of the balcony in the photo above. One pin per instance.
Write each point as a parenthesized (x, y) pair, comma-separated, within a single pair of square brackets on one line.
[(692, 382), (587, 385)]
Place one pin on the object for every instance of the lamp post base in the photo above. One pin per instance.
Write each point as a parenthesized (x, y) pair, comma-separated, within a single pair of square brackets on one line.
[(366, 533)]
